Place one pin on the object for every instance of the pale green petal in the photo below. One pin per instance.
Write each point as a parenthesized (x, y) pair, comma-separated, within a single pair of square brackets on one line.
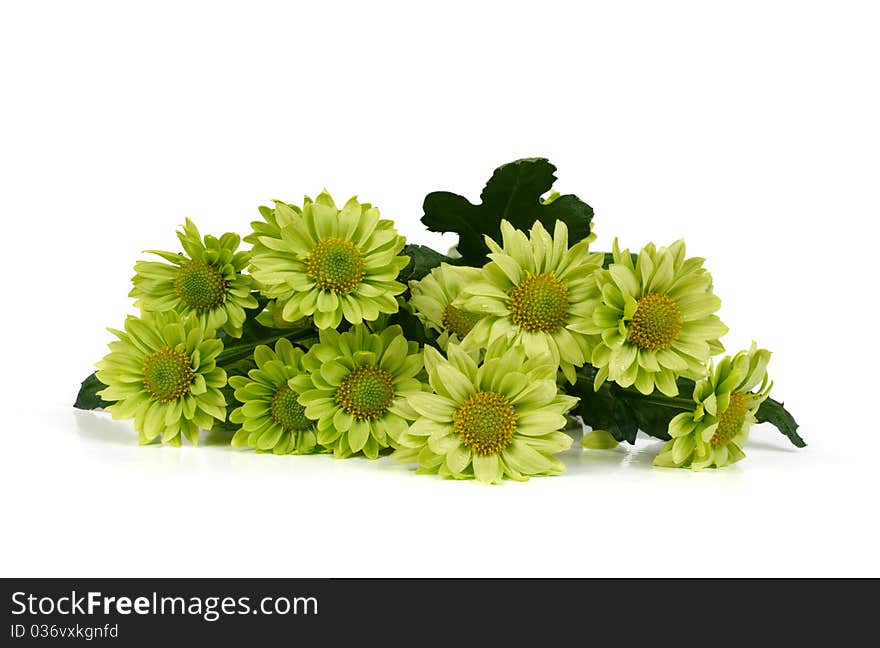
[(286, 240), (599, 440), (487, 469), (432, 406), (538, 419), (455, 383), (681, 425), (682, 448), (526, 459), (458, 458), (358, 435)]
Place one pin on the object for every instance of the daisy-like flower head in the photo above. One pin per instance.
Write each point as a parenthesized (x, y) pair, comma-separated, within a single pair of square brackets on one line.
[(652, 320), (356, 387), (713, 435), (208, 282), (433, 295), (490, 421), (162, 372), (270, 417), (329, 263), (533, 293)]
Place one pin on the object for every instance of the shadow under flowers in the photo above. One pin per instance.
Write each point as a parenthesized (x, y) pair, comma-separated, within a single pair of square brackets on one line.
[(638, 457), (98, 426)]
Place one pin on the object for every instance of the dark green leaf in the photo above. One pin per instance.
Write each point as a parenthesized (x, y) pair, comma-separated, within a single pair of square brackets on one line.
[(601, 411), (87, 398), (772, 411), (624, 411), (513, 193), (422, 260), (413, 329)]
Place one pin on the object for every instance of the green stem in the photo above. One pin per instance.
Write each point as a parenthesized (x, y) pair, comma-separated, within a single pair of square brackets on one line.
[(235, 352), (678, 403)]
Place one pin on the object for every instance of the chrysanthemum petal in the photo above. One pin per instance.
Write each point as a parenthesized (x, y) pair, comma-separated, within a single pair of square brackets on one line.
[(487, 469)]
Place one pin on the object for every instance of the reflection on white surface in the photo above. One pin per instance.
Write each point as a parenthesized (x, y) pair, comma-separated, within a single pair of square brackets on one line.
[(97, 429), (637, 457), (117, 441), (98, 426), (125, 509), (773, 447)]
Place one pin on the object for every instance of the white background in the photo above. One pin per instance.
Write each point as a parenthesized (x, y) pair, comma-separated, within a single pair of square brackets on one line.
[(751, 128)]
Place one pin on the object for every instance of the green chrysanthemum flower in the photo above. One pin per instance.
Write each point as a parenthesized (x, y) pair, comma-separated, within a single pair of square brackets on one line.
[(652, 320), (713, 435), (162, 372), (433, 295), (500, 419), (329, 263), (533, 294), (270, 417), (208, 282), (356, 388)]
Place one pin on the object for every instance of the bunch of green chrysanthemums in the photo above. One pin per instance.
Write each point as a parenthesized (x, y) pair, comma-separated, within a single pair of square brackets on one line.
[(330, 334)]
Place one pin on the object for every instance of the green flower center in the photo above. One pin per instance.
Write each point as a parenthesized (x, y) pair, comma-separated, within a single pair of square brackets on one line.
[(288, 413), (486, 422), (199, 285), (731, 421), (366, 392), (336, 264), (458, 321), (656, 323), (168, 374), (540, 303)]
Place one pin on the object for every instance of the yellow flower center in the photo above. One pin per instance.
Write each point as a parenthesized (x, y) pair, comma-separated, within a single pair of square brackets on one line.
[(199, 285), (458, 321), (539, 303), (656, 323), (336, 264), (366, 392), (731, 421), (168, 374), (288, 413), (486, 422)]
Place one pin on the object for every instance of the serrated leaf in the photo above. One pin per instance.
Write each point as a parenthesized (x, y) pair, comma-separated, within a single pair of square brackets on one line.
[(772, 411), (625, 411), (422, 260), (513, 193), (87, 398)]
